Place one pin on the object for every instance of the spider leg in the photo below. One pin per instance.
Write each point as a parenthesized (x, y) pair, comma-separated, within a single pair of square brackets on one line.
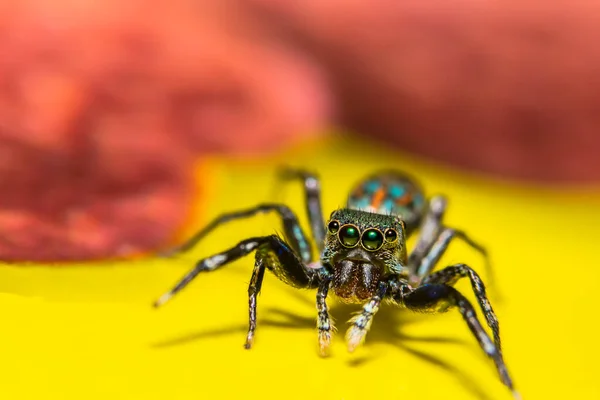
[(450, 275), (437, 249), (210, 264), (282, 261), (293, 231), (312, 192), (324, 323), (433, 241), (435, 298), (278, 258), (361, 323), (258, 273), (272, 253)]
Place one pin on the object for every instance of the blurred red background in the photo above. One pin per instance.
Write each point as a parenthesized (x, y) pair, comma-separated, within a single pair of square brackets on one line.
[(104, 107)]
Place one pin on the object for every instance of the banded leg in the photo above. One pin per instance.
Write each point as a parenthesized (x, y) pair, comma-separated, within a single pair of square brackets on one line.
[(450, 275), (312, 192), (293, 231), (253, 290), (324, 323), (434, 240), (429, 230), (436, 298), (277, 256), (361, 323), (438, 248)]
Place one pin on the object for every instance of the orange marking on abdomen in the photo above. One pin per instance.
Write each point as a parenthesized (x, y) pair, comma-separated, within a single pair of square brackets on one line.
[(378, 197), (404, 200)]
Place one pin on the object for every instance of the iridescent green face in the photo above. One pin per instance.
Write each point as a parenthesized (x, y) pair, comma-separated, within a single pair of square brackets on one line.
[(371, 239)]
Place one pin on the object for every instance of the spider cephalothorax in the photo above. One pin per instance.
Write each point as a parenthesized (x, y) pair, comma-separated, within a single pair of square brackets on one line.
[(362, 258), (362, 248)]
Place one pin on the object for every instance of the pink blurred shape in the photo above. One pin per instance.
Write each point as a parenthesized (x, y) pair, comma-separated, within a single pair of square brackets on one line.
[(104, 106)]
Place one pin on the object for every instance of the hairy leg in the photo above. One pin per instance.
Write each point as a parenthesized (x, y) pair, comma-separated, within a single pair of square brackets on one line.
[(312, 193), (293, 231), (435, 298)]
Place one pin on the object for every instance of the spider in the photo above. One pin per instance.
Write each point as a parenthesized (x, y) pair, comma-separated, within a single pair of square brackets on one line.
[(363, 258)]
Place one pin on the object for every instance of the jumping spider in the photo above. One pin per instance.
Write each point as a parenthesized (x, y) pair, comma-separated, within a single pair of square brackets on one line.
[(363, 258)]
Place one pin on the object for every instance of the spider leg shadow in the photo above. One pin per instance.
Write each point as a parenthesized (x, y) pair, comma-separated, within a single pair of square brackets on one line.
[(469, 383), (387, 328), (295, 322), (199, 335)]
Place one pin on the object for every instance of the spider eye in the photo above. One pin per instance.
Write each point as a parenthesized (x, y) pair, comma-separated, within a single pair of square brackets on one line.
[(372, 239), (391, 235), (349, 235), (333, 226)]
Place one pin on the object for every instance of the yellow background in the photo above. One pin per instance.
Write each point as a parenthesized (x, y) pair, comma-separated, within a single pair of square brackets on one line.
[(88, 331)]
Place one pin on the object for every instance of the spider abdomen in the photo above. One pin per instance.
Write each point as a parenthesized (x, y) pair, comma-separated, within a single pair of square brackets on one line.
[(355, 281), (389, 193)]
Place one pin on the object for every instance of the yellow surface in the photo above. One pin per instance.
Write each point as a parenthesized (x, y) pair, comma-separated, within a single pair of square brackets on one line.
[(88, 332)]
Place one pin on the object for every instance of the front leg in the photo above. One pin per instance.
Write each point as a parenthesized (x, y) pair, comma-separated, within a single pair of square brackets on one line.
[(361, 323), (272, 253), (276, 256), (437, 298), (324, 323), (450, 275), (212, 263), (253, 290)]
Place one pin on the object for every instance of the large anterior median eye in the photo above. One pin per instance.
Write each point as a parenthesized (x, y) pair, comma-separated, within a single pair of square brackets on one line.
[(349, 235), (372, 239)]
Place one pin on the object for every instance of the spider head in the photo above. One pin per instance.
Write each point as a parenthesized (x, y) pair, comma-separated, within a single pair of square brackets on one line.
[(363, 247)]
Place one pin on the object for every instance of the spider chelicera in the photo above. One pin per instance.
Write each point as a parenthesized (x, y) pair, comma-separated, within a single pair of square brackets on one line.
[(363, 258)]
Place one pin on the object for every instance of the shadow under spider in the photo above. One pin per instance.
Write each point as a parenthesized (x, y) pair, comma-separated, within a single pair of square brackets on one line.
[(387, 328)]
